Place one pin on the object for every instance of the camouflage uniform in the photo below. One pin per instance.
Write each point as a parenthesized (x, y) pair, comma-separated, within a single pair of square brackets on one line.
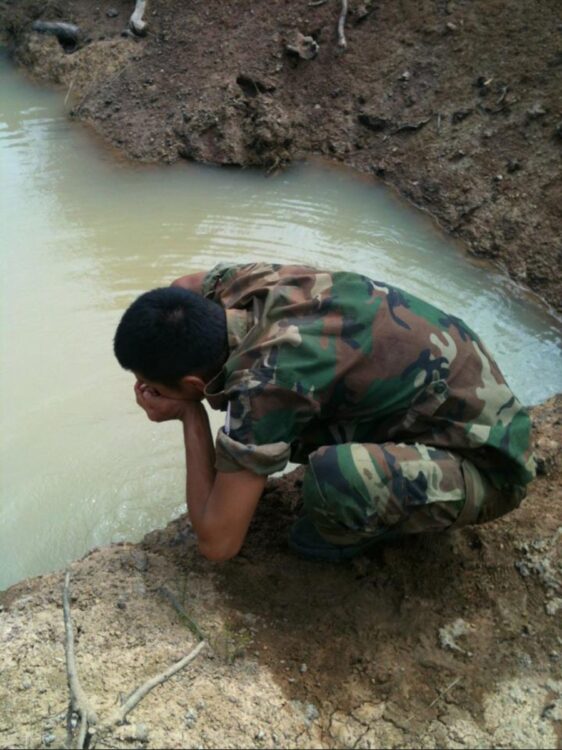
[(397, 408)]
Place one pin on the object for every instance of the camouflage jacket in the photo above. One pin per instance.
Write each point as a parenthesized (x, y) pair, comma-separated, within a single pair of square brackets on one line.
[(318, 358)]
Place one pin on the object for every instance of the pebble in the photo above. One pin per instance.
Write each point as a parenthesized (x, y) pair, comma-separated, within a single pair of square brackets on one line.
[(48, 738), (191, 717), (112, 13), (536, 111), (311, 713), (259, 735), (303, 668), (553, 606)]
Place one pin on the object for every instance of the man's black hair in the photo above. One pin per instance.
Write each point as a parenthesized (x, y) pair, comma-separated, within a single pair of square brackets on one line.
[(171, 332)]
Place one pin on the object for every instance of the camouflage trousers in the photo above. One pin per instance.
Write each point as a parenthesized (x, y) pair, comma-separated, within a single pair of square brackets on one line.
[(354, 491)]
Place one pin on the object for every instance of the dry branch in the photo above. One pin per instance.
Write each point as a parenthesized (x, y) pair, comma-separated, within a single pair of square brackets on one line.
[(118, 716), (443, 693), (342, 42), (191, 624), (136, 22), (79, 701), (90, 727)]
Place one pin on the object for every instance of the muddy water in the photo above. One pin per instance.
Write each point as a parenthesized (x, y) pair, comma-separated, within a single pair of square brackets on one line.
[(82, 235)]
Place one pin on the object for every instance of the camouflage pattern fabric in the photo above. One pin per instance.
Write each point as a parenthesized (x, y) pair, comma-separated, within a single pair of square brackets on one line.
[(320, 359), (355, 491)]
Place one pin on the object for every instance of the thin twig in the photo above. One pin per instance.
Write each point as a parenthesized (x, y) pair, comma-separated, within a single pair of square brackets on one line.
[(70, 89), (317, 3), (341, 25), (502, 95), (191, 624), (118, 716), (79, 701), (443, 693)]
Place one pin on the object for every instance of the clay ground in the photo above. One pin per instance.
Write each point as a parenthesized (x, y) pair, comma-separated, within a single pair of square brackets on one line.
[(446, 641)]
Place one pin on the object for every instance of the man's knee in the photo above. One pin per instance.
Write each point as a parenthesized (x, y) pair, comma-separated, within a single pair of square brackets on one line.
[(348, 491)]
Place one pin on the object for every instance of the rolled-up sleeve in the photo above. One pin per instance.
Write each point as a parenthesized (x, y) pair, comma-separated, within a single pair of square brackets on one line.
[(260, 459), (264, 419)]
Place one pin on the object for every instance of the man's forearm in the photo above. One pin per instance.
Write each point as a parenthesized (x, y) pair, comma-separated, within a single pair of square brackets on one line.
[(199, 461)]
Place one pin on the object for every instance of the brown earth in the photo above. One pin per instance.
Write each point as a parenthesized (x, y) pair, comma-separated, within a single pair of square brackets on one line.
[(442, 641), (455, 103), (450, 640)]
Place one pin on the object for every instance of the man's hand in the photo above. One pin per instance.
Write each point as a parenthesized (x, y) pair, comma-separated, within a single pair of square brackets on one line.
[(158, 408)]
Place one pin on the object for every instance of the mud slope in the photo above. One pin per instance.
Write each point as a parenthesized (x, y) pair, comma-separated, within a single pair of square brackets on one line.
[(458, 104)]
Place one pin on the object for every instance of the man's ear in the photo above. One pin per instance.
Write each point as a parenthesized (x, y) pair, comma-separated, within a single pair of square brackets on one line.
[(189, 383)]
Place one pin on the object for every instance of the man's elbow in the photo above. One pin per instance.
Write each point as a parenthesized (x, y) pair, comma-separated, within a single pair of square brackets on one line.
[(218, 552)]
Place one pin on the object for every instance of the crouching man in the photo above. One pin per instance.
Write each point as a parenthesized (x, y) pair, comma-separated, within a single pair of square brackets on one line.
[(401, 416)]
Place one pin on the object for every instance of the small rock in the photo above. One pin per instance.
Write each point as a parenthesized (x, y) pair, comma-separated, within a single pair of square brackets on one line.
[(26, 683), (23, 602), (362, 12), (303, 668), (139, 560), (48, 738), (536, 112), (449, 633), (112, 13), (513, 165), (191, 717), (311, 713), (460, 114), (373, 122), (304, 47), (405, 76), (259, 736), (553, 606), (457, 155)]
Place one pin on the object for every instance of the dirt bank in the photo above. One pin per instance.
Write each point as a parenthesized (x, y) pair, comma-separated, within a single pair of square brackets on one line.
[(446, 641), (452, 641), (457, 104)]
